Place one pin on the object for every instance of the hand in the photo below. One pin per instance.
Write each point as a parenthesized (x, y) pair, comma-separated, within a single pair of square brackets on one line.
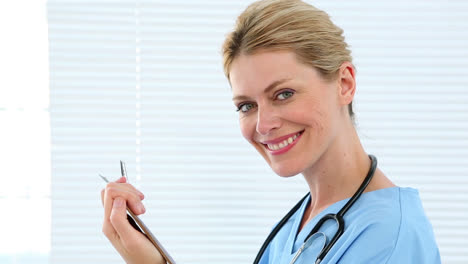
[(132, 245)]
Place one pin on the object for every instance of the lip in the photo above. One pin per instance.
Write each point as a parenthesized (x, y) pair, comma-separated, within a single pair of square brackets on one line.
[(281, 139)]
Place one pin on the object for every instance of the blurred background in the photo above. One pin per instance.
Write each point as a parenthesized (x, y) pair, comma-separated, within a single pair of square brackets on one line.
[(85, 84)]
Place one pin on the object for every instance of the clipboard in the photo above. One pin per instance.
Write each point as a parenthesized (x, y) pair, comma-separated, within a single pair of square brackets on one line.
[(138, 224)]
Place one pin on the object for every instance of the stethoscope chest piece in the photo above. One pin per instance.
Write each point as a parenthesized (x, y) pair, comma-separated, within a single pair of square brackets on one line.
[(319, 240)]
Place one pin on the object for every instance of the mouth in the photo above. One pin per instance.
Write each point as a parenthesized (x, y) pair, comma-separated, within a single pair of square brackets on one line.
[(282, 144)]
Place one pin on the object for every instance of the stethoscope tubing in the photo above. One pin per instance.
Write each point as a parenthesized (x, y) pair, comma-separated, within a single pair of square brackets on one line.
[(277, 229)]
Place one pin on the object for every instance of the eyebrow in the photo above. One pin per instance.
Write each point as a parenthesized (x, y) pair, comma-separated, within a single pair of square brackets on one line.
[(270, 87)]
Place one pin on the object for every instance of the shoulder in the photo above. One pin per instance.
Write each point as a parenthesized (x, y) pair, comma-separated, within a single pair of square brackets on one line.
[(416, 242), (380, 225), (372, 228)]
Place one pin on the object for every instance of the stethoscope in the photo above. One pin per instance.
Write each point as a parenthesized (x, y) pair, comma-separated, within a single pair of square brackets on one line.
[(338, 217)]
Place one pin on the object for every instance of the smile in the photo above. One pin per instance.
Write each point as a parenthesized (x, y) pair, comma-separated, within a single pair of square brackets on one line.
[(283, 144)]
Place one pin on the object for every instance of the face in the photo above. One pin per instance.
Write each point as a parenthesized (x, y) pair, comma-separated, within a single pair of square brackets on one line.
[(287, 111)]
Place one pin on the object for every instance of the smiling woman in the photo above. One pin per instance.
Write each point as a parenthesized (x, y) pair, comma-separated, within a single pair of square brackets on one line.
[(291, 47), (293, 83), (142, 81)]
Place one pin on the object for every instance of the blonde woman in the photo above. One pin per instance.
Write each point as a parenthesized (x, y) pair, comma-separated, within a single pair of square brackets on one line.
[(293, 84)]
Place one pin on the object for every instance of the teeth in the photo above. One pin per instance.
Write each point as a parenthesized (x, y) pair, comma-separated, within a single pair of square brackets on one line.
[(283, 144)]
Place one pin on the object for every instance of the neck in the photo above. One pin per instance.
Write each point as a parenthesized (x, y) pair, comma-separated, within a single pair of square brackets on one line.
[(339, 172)]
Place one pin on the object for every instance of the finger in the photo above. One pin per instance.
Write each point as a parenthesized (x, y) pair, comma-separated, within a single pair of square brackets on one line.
[(119, 221), (103, 192), (128, 193), (107, 227), (132, 188), (121, 180), (124, 180)]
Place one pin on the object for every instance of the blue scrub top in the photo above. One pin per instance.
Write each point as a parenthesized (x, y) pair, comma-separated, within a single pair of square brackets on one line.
[(383, 226)]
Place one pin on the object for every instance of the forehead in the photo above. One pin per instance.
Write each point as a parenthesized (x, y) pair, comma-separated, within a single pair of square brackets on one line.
[(252, 72), (256, 67)]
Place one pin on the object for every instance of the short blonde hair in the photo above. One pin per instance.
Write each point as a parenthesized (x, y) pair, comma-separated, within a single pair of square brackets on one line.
[(289, 25)]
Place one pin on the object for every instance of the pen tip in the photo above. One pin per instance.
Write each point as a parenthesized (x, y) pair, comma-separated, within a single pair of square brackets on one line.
[(104, 178)]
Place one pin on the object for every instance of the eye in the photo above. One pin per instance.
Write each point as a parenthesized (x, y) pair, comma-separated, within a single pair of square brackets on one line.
[(245, 107), (284, 95)]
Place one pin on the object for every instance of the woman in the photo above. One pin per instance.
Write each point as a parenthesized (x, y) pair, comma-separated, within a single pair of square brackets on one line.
[(293, 83)]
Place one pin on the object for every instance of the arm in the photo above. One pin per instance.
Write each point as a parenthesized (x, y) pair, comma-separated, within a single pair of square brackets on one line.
[(133, 246)]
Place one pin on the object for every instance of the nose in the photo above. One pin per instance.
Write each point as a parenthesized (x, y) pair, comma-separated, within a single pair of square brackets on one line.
[(267, 120)]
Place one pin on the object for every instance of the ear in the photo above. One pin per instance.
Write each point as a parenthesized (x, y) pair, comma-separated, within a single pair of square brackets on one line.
[(347, 83)]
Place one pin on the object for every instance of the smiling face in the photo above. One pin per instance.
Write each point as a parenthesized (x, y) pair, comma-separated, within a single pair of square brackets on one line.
[(287, 111)]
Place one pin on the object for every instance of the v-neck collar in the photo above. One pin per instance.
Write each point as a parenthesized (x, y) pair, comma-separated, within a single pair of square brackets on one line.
[(296, 238)]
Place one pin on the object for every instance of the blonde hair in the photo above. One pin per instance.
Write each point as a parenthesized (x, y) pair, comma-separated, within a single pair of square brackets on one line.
[(289, 25)]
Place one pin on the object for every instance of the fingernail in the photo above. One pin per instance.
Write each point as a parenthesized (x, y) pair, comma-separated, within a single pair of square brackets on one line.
[(141, 207)]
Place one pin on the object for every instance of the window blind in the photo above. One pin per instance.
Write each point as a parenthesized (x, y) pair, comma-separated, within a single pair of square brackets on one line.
[(412, 103), (142, 81), (92, 86)]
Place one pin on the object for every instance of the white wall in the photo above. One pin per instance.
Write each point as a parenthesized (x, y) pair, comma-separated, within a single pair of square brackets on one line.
[(24, 133)]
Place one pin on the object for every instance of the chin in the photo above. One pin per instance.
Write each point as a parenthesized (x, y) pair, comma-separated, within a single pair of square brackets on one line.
[(285, 172), (283, 168)]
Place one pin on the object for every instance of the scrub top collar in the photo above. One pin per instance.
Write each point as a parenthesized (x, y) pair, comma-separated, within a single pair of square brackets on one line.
[(295, 239)]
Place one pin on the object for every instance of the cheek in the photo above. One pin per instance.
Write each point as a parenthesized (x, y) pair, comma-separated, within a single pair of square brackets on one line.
[(314, 115), (247, 128)]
